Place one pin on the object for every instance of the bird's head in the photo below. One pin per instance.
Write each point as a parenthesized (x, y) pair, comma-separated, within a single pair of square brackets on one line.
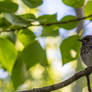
[(87, 40)]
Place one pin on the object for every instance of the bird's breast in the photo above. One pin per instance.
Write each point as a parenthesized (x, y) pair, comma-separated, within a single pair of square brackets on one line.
[(86, 56)]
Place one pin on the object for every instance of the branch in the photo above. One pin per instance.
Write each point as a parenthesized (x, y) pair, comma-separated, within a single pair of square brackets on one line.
[(68, 21), (88, 83), (75, 77), (50, 24)]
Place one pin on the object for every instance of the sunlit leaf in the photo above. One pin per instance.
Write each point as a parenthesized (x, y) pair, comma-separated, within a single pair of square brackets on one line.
[(11, 36), (34, 54), (8, 6), (29, 17), (50, 31), (70, 49), (32, 3), (69, 25), (26, 36), (88, 8), (45, 19), (16, 20), (8, 54), (74, 3)]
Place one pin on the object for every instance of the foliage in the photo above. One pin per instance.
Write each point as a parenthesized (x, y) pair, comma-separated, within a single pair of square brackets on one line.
[(32, 3), (75, 3), (19, 61), (19, 72), (88, 8), (15, 20), (8, 54), (69, 25), (72, 51), (33, 54), (8, 6), (26, 36)]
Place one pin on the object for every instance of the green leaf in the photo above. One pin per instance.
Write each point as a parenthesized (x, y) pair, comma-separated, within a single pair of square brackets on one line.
[(16, 20), (69, 25), (34, 54), (88, 8), (4, 23), (8, 6), (45, 19), (28, 16), (26, 36), (8, 54), (11, 36), (70, 49), (50, 31), (32, 3), (19, 73), (74, 3)]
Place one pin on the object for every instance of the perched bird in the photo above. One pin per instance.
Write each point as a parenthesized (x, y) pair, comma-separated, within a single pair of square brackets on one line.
[(86, 50)]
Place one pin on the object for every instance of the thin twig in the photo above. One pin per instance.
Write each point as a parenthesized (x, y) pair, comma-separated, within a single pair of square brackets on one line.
[(75, 77), (68, 21), (50, 24), (88, 83)]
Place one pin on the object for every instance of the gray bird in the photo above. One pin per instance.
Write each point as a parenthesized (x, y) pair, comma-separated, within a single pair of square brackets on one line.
[(86, 50)]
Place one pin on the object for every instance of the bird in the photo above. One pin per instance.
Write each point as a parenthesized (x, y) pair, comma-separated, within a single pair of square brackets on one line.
[(86, 50)]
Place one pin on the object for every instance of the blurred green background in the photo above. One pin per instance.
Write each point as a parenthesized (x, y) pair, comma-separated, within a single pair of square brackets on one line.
[(34, 55)]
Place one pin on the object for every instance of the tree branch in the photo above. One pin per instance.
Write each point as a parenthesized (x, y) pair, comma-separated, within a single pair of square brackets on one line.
[(75, 77), (68, 21), (50, 24), (88, 83)]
